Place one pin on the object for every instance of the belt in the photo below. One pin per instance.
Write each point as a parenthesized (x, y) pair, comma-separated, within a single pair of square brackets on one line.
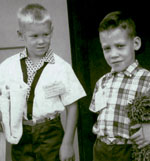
[(39, 121), (117, 141)]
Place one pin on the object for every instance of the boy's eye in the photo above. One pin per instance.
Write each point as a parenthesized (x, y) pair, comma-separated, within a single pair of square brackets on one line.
[(34, 36), (46, 34), (106, 49), (120, 46)]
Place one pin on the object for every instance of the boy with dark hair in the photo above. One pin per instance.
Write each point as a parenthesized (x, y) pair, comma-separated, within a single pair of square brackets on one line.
[(114, 90)]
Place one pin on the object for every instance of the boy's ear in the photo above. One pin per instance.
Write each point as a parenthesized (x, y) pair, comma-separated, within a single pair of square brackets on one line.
[(51, 32), (20, 35), (137, 43)]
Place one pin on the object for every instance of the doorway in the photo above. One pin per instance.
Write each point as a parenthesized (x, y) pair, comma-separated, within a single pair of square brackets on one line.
[(87, 57)]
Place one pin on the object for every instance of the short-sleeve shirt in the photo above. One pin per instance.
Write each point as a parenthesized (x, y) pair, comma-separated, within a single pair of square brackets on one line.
[(58, 74), (112, 94), (33, 68)]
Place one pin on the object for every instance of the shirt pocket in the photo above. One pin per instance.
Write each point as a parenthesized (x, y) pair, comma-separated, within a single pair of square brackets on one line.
[(53, 90)]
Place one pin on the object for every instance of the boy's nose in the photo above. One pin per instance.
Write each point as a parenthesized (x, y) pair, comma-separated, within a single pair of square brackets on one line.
[(40, 40), (114, 53)]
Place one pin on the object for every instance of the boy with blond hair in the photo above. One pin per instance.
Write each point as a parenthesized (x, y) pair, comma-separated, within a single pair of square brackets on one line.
[(52, 88)]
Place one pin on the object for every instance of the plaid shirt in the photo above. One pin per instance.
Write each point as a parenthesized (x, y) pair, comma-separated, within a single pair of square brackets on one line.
[(33, 68), (112, 94)]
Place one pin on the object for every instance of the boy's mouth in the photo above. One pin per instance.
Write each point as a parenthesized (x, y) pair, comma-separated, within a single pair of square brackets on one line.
[(40, 48), (116, 62)]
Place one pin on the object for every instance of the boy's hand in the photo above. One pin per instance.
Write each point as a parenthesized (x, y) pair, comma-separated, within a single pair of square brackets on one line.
[(66, 150), (67, 153), (142, 136)]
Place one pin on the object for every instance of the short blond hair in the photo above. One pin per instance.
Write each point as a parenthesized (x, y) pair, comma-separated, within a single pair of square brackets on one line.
[(33, 13)]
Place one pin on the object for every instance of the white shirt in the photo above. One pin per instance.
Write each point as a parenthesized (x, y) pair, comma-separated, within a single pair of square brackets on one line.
[(59, 75)]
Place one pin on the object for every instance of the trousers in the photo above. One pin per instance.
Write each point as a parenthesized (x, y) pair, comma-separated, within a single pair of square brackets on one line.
[(114, 152), (40, 142)]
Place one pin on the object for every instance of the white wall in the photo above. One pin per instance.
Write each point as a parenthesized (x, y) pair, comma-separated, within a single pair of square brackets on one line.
[(60, 39), (58, 11)]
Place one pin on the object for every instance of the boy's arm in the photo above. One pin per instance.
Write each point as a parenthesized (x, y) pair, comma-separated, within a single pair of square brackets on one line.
[(0, 122), (0, 115), (142, 136), (66, 150)]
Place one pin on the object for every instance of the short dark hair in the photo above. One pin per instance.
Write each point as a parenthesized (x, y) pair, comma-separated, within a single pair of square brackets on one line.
[(118, 19)]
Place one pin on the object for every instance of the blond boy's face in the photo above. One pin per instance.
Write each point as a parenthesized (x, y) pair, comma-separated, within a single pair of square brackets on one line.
[(37, 39), (119, 48)]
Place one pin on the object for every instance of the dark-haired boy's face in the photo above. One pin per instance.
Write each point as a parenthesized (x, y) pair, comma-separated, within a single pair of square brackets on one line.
[(118, 48)]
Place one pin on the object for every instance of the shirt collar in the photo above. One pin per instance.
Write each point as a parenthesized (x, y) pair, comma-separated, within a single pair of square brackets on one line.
[(129, 71), (49, 56)]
